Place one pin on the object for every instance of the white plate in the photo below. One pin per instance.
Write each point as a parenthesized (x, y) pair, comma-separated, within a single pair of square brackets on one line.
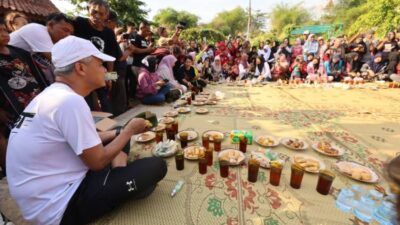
[(192, 148), (192, 135), (213, 132), (345, 168), (166, 120), (263, 159), (274, 139), (201, 111), (198, 103), (286, 139), (184, 110), (322, 165), (340, 150), (211, 102), (171, 148), (200, 99), (232, 161), (159, 127), (145, 137), (171, 114)]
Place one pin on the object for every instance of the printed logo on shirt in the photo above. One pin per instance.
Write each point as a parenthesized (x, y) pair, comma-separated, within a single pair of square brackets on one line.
[(98, 42), (24, 117), (144, 44)]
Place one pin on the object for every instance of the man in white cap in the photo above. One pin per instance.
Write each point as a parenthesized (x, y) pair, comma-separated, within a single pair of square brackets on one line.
[(58, 170)]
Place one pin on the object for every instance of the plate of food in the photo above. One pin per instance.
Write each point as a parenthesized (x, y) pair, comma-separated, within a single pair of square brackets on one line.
[(357, 171), (165, 149), (294, 143), (201, 111), (166, 120), (211, 102), (198, 103), (145, 137), (201, 99), (309, 163), (213, 134), (328, 148), (184, 109), (159, 127), (192, 135), (171, 114), (265, 157), (267, 141), (234, 157), (193, 152)]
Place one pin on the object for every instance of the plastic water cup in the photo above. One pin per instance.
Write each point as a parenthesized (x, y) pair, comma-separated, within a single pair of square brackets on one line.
[(345, 200)]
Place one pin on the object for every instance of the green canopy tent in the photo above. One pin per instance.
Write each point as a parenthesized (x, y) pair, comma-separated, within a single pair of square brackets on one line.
[(328, 29)]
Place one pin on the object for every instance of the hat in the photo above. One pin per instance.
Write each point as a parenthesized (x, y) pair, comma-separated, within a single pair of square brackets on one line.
[(72, 49), (306, 32), (320, 38)]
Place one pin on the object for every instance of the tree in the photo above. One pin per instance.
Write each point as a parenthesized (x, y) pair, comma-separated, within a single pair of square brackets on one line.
[(127, 10), (170, 18), (230, 22), (212, 36), (284, 17), (383, 18)]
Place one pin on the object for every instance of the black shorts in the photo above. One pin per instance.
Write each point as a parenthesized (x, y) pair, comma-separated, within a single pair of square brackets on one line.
[(100, 192)]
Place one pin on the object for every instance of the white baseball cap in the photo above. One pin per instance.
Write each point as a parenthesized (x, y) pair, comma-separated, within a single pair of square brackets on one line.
[(72, 49)]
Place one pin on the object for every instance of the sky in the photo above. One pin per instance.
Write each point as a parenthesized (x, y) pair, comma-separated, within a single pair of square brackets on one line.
[(208, 9)]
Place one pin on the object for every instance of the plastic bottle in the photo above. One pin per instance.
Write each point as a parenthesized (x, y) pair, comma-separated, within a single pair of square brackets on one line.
[(177, 187)]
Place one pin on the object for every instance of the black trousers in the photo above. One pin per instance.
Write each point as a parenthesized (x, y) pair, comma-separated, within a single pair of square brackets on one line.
[(100, 192)]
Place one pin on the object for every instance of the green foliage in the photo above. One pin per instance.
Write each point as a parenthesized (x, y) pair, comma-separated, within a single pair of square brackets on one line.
[(198, 34), (170, 18), (230, 22), (284, 16), (383, 18), (256, 39), (127, 10)]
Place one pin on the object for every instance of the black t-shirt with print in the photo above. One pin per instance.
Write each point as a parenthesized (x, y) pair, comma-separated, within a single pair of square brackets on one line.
[(19, 81), (104, 40), (183, 73), (139, 42)]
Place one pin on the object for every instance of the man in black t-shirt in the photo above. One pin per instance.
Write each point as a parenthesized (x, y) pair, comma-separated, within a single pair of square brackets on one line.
[(20, 82), (93, 29), (141, 48)]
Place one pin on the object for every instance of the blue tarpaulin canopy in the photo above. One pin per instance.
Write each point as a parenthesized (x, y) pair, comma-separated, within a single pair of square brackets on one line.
[(329, 29)]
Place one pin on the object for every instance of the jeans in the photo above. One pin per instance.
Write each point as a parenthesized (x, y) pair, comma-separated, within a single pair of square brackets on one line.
[(157, 98)]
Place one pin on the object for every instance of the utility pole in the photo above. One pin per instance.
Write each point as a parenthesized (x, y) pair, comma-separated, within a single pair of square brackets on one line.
[(249, 22)]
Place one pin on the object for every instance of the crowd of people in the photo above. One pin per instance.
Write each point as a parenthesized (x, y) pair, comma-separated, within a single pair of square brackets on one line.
[(41, 63)]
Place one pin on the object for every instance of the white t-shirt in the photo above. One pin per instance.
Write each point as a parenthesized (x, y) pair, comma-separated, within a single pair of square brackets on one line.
[(43, 166), (32, 37)]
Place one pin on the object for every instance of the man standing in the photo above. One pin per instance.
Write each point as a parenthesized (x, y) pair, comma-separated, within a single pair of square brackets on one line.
[(66, 173), (93, 29), (141, 48), (38, 40)]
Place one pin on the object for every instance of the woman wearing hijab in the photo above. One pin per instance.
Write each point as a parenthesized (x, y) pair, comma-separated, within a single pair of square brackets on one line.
[(150, 89), (217, 69), (334, 68), (243, 67), (165, 71), (311, 46)]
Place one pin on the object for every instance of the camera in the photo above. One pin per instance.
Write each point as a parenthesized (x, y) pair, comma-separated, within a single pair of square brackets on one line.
[(125, 36), (181, 25)]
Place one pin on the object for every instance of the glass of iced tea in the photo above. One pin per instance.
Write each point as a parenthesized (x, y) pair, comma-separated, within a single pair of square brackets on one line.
[(253, 166), (179, 160), (206, 141), (325, 181), (217, 143), (170, 132), (275, 173), (159, 136), (202, 164), (175, 126), (183, 136), (297, 176), (223, 167), (209, 156), (189, 100), (243, 144)]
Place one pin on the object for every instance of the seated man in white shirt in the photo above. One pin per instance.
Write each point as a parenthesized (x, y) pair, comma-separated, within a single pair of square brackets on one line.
[(58, 170), (38, 40)]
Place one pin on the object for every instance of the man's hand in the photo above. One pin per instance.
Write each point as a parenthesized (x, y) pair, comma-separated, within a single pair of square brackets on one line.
[(160, 83), (135, 126)]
